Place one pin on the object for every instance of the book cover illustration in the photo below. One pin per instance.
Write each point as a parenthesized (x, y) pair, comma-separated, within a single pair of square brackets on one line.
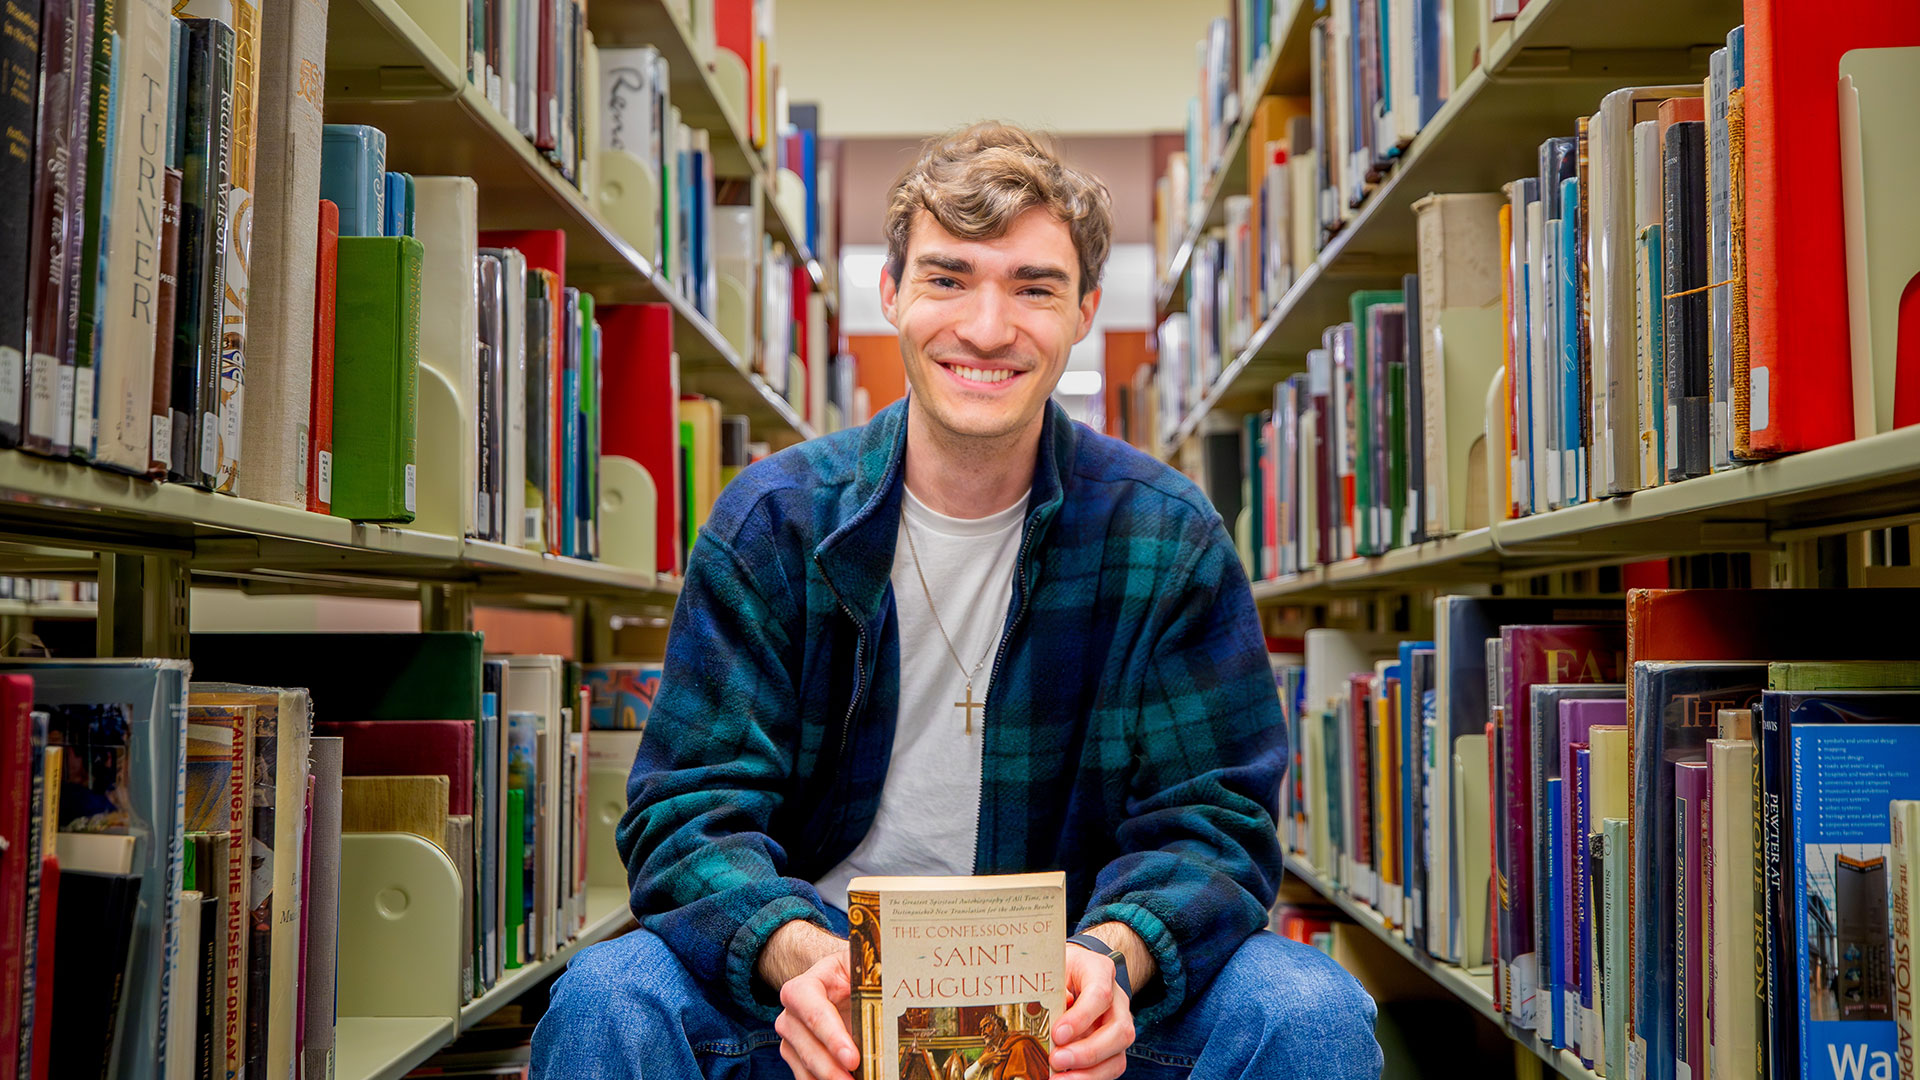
[(623, 694), (974, 975), (94, 787), (1844, 777)]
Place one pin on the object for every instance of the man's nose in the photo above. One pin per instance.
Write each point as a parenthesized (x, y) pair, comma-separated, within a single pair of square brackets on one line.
[(987, 324)]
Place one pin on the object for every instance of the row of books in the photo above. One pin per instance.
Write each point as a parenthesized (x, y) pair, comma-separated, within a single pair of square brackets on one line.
[(170, 880), (46, 591), (1654, 313), (1662, 825), (532, 60)]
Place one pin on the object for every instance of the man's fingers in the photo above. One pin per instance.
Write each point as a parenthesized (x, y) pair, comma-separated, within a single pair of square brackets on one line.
[(1090, 1006), (1110, 1038), (804, 1051), (807, 999)]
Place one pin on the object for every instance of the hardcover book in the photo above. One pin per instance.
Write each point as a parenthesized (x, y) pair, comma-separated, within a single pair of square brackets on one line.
[(957, 975), (376, 378)]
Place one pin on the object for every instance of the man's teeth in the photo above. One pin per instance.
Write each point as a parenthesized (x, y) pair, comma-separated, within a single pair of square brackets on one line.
[(981, 375)]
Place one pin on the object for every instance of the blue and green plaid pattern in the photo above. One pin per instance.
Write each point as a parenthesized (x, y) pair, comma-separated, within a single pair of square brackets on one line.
[(1133, 734)]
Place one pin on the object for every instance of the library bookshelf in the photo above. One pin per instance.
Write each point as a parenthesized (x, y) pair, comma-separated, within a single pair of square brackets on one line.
[(1472, 986), (1551, 64), (395, 64)]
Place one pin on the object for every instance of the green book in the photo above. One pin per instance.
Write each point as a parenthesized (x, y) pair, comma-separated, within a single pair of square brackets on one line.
[(75, 393), (1368, 494), (516, 897), (689, 532), (431, 675), (1844, 675), (376, 377)]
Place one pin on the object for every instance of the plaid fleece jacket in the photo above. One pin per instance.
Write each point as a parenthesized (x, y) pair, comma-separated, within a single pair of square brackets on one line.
[(1133, 733)]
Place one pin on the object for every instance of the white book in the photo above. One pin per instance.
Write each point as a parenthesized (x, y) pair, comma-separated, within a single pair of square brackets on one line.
[(113, 406), (1610, 246), (535, 686), (446, 216), (274, 427), (98, 853), (1720, 262), (522, 529), (183, 994)]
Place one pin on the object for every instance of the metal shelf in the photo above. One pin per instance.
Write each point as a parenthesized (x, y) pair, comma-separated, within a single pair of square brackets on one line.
[(1757, 507), (1552, 66), (606, 913), (63, 504), (385, 70), (1475, 988)]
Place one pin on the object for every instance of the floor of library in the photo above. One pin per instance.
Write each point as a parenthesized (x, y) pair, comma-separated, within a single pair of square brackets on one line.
[(388, 1047), (1475, 988)]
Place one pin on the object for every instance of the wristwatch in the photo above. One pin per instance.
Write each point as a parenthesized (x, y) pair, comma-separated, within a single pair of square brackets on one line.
[(1094, 944)]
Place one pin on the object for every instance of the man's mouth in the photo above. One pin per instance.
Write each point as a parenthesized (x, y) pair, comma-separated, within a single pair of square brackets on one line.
[(982, 376)]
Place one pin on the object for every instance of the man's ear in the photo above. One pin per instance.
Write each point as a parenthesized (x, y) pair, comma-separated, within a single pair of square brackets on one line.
[(1089, 306), (889, 295)]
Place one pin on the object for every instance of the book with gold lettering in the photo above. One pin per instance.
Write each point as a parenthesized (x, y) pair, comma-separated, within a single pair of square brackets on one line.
[(973, 979)]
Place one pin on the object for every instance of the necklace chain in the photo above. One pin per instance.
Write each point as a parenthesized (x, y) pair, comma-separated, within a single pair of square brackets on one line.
[(944, 636)]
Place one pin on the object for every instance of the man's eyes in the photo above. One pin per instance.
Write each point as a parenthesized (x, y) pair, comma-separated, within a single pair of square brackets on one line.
[(1037, 292)]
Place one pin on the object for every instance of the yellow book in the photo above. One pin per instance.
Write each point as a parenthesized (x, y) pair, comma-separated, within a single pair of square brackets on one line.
[(409, 804)]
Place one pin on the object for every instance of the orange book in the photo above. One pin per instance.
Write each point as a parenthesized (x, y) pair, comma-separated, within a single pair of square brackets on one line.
[(1799, 352)]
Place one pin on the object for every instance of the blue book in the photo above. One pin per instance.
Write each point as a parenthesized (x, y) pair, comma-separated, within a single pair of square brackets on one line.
[(353, 169), (1427, 39), (1673, 706), (1581, 877), (1737, 57), (1554, 944), (396, 203), (1844, 775), (488, 757), (1572, 408), (1784, 789), (1414, 679)]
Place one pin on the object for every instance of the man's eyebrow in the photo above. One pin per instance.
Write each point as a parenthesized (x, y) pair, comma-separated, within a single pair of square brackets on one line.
[(949, 263), (1043, 273)]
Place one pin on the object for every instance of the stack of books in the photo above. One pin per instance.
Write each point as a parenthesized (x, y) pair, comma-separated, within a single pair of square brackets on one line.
[(1666, 828)]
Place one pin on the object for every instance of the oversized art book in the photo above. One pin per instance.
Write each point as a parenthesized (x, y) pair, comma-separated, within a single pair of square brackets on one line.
[(972, 979)]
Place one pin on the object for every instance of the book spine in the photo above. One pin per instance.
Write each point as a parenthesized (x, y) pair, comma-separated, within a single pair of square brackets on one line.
[(1901, 871), (73, 393), (1781, 1046), (62, 23), (212, 914), (204, 462), (44, 957), (160, 409), (18, 798), (229, 384), (1739, 356), (19, 58), (1615, 1007), (320, 416), (407, 392), (1684, 227)]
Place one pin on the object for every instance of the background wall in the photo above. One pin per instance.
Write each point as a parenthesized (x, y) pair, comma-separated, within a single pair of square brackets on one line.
[(1078, 67)]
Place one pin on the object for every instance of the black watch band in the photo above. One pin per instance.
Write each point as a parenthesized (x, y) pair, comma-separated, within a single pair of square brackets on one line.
[(1094, 944)]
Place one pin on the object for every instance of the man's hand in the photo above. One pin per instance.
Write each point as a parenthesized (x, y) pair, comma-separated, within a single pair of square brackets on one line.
[(809, 967), (1090, 1039)]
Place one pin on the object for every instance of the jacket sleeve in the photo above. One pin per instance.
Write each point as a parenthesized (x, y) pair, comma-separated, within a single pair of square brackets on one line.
[(1200, 854), (704, 871)]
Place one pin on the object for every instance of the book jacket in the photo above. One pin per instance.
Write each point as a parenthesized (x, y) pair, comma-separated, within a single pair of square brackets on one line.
[(974, 975)]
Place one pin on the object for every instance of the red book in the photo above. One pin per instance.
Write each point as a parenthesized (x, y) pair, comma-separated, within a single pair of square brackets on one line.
[(1493, 879), (642, 387), (1359, 720), (1800, 363), (1538, 655), (320, 417), (801, 395), (545, 107), (17, 763), (1270, 483), (545, 249), (44, 959), (733, 31), (408, 748)]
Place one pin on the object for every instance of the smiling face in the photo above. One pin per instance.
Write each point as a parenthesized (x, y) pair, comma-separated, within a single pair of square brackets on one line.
[(986, 325)]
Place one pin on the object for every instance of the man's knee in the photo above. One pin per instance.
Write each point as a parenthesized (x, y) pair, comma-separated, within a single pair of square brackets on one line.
[(1303, 1002), (630, 989)]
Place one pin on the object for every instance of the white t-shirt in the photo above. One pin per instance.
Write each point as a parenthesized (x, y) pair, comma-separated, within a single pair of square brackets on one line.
[(930, 803)]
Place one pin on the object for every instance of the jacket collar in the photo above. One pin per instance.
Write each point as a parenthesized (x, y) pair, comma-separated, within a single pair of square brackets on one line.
[(857, 557)]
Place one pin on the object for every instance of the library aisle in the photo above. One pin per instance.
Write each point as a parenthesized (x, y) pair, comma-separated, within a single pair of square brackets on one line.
[(371, 372)]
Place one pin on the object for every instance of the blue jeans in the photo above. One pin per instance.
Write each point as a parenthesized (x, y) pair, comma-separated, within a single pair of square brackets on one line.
[(626, 1009)]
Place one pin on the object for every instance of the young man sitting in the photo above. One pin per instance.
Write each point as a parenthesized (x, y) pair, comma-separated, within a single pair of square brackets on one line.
[(968, 638)]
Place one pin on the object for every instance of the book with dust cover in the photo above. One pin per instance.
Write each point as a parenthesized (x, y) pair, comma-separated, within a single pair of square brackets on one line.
[(974, 975)]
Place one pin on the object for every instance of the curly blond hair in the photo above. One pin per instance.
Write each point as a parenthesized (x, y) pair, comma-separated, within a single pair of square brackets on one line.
[(976, 181)]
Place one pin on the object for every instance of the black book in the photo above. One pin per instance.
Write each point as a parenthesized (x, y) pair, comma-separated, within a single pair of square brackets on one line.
[(84, 273), (1222, 469), (209, 968), (1415, 521), (19, 58), (487, 409), (206, 105), (541, 491), (91, 939), (1683, 231)]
